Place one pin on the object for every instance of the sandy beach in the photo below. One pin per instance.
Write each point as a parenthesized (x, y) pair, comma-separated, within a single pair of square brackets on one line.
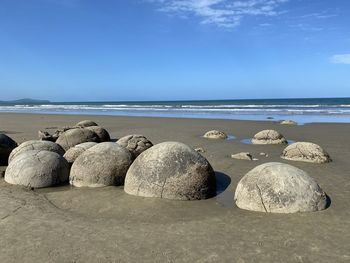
[(67, 224)]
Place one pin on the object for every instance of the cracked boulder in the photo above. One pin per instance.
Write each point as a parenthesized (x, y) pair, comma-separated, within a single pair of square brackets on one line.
[(36, 145), (215, 134), (101, 165), (279, 188), (102, 133), (72, 137), (306, 152), (86, 123), (171, 170), (269, 137), (37, 169), (73, 153), (6, 147), (135, 143)]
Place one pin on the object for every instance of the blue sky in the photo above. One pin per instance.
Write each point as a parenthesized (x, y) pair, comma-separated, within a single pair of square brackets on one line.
[(78, 50)]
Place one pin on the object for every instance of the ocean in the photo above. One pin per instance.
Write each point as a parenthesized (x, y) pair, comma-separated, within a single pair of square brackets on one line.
[(300, 110)]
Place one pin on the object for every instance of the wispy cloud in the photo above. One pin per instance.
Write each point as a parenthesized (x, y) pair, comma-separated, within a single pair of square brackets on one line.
[(223, 13), (341, 59)]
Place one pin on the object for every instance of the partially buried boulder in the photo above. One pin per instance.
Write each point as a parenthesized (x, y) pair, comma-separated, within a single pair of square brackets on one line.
[(37, 168), (171, 170), (73, 153), (215, 134), (101, 165), (269, 137), (135, 143), (288, 122), (279, 188), (102, 133), (306, 152), (6, 147), (86, 123), (72, 137), (36, 145)]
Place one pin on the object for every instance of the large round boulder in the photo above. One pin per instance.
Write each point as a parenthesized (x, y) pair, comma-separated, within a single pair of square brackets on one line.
[(135, 143), (171, 170), (269, 137), (102, 133), (215, 134), (72, 137), (279, 188), (86, 123), (73, 153), (306, 152), (37, 168), (6, 147), (36, 145), (101, 165)]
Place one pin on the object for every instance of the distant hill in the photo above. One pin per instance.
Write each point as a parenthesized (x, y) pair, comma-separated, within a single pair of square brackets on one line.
[(25, 101)]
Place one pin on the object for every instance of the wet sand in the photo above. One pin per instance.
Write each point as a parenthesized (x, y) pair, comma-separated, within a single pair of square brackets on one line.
[(65, 224)]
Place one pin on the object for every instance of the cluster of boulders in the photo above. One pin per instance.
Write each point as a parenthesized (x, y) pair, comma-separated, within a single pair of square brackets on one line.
[(84, 156)]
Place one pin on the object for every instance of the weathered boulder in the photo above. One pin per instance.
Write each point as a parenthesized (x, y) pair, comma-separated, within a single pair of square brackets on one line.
[(171, 170), (46, 136), (37, 168), (242, 156), (36, 145), (306, 152), (269, 137), (72, 137), (101, 165), (288, 122), (73, 153), (6, 147), (279, 188), (86, 123), (214, 134), (135, 143), (102, 133)]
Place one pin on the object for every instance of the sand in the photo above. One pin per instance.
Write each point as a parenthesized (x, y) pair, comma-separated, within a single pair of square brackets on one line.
[(65, 224)]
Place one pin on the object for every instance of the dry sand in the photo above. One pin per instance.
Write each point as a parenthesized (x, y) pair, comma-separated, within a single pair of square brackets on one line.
[(65, 224)]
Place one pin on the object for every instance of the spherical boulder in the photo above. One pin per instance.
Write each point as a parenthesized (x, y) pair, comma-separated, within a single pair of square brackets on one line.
[(214, 134), (72, 137), (171, 170), (306, 152), (101, 165), (6, 147), (102, 133), (37, 168), (36, 145), (269, 137), (135, 143), (279, 188), (86, 123), (73, 153)]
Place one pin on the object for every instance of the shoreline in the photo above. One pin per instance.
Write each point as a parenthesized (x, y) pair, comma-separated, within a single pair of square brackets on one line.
[(107, 224)]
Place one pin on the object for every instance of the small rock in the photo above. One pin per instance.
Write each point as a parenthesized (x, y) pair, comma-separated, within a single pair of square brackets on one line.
[(45, 136), (242, 156), (199, 149), (288, 122), (215, 134), (264, 154)]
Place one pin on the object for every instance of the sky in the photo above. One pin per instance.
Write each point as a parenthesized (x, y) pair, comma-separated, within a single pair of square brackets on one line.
[(114, 50)]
